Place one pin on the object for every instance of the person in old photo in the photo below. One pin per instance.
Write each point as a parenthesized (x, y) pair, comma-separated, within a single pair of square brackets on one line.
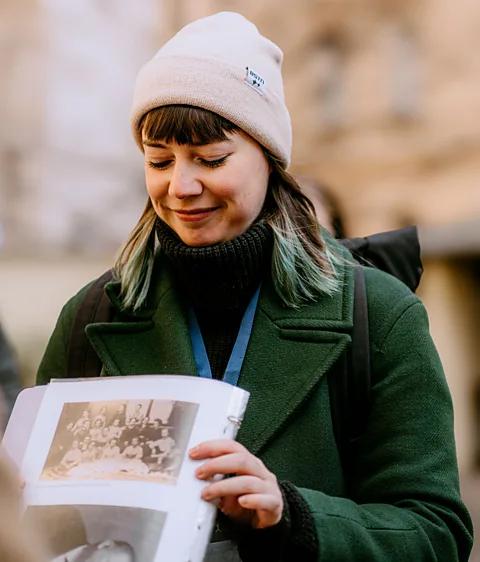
[(81, 423), (228, 275), (72, 457)]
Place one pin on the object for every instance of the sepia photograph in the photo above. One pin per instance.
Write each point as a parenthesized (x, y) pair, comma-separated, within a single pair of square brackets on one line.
[(92, 533), (121, 440)]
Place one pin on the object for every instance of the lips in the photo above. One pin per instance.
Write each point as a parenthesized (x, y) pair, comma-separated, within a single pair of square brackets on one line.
[(195, 215)]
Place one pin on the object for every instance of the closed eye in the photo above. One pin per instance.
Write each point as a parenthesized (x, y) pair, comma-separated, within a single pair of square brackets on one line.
[(214, 163), (208, 163), (159, 165)]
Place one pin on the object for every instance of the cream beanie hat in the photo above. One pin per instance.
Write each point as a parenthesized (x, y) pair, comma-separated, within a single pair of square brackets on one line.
[(220, 63)]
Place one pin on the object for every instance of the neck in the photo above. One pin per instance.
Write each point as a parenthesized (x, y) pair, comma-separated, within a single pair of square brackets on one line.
[(223, 276)]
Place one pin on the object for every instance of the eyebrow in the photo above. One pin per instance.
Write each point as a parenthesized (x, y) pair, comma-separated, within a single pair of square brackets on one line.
[(157, 144)]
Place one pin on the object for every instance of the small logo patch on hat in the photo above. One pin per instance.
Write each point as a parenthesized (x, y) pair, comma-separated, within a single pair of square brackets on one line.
[(255, 81)]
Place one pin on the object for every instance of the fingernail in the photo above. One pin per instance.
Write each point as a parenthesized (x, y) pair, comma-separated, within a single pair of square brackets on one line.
[(193, 452), (199, 472)]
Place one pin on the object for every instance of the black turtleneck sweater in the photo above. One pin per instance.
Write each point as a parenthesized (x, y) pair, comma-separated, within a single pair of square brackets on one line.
[(218, 282)]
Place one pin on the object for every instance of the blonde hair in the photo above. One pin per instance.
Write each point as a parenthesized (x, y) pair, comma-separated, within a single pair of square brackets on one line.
[(303, 266), (134, 264)]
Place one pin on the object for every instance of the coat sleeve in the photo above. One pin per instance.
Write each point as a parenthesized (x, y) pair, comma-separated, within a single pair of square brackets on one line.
[(54, 362), (405, 502)]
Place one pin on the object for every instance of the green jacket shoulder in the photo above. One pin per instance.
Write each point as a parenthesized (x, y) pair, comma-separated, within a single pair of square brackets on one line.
[(54, 361)]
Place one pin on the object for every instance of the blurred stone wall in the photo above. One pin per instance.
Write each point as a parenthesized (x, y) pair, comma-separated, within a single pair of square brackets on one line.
[(384, 96), (71, 179)]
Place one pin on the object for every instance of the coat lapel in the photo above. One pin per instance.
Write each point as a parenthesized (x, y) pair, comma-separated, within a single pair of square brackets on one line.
[(290, 351), (156, 341)]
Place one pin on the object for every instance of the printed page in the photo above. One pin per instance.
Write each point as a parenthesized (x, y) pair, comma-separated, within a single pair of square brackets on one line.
[(107, 466)]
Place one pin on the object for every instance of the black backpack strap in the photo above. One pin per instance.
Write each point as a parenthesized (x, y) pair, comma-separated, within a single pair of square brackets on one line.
[(349, 386), (359, 379), (82, 361)]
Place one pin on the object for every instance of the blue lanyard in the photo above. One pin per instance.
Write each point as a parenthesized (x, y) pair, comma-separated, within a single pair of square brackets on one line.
[(235, 362)]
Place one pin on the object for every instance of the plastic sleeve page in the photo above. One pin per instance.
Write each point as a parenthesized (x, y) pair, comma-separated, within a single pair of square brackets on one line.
[(21, 422), (235, 412), (108, 460)]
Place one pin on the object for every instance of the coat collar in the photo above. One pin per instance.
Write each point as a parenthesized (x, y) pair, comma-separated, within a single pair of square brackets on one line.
[(290, 351)]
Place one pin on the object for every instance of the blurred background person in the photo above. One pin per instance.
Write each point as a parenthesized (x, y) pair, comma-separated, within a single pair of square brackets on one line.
[(9, 373), (14, 531), (18, 542), (327, 207), (9, 368)]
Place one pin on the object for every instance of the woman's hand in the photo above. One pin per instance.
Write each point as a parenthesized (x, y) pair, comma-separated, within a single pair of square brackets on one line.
[(252, 495)]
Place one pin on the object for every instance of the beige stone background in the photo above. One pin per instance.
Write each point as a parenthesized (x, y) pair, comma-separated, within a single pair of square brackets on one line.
[(385, 104)]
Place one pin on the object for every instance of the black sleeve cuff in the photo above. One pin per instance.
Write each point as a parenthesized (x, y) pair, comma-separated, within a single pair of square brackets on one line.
[(293, 538), (303, 540)]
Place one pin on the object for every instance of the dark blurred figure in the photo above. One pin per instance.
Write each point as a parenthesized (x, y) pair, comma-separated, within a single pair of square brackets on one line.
[(10, 384), (326, 205), (9, 375)]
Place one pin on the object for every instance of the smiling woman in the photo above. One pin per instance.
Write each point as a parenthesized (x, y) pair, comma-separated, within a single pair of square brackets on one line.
[(229, 275), (209, 188), (209, 182)]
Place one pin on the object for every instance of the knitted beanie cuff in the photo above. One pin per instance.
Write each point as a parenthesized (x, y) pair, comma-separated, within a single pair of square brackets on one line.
[(213, 85)]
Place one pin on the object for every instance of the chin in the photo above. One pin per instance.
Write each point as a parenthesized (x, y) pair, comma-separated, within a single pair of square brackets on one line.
[(200, 241), (202, 237)]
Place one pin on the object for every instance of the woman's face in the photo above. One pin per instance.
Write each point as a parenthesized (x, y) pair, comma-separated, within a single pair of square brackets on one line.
[(210, 193)]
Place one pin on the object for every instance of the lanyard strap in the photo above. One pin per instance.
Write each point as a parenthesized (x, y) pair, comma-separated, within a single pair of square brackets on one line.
[(235, 362)]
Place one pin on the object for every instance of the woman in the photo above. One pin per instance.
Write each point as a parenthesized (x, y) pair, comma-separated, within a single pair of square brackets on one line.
[(225, 224)]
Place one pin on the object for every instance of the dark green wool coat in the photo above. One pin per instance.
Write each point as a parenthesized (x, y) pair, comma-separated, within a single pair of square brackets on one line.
[(404, 503)]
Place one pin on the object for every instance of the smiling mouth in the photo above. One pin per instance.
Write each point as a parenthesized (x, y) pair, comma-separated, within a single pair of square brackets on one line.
[(194, 215)]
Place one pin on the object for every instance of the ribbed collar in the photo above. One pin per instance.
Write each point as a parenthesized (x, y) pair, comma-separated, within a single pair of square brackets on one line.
[(223, 276)]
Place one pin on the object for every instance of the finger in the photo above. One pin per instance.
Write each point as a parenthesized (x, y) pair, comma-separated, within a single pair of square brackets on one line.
[(237, 486), (215, 448), (235, 463), (261, 502)]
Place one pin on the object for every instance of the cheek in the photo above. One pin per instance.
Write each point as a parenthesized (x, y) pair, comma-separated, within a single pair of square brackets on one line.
[(156, 187), (245, 188), (252, 195)]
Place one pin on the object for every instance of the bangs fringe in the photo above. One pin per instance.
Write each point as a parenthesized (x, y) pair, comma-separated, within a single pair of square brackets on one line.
[(186, 125)]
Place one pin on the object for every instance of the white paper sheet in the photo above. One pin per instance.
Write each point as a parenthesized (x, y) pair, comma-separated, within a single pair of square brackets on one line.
[(145, 491)]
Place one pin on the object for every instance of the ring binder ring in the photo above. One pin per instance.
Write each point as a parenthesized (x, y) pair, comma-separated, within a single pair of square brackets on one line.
[(235, 420)]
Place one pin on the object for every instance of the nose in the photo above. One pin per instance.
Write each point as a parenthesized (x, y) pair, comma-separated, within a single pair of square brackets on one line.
[(183, 182)]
